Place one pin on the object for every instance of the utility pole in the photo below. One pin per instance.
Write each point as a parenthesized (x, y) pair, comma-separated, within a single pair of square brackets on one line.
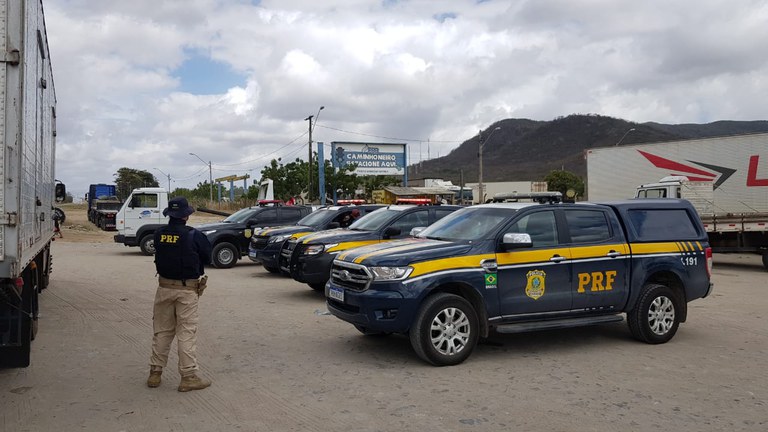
[(309, 156), (480, 171), (210, 174)]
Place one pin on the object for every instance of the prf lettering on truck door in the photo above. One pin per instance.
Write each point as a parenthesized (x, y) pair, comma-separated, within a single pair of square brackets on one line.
[(596, 281), (166, 238)]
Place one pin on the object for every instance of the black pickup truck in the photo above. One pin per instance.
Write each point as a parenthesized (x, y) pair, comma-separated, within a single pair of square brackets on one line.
[(230, 237), (266, 243), (309, 258), (515, 267)]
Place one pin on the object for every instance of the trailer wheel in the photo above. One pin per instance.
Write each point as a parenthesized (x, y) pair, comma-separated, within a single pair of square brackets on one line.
[(147, 244), (224, 255)]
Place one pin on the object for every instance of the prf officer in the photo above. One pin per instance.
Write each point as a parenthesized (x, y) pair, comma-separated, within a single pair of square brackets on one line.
[(181, 253)]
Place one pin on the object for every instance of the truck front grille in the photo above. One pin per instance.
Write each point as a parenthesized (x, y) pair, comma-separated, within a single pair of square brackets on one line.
[(259, 242), (349, 275), (285, 254)]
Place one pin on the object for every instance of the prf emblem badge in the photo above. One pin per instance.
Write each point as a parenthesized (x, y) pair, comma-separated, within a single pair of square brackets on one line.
[(247, 233), (490, 280), (535, 287)]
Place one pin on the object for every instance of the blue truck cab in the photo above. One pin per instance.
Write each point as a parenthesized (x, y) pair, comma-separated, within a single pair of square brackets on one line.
[(515, 267), (308, 259)]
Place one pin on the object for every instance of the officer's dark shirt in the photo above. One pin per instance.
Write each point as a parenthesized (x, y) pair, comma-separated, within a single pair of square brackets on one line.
[(181, 252)]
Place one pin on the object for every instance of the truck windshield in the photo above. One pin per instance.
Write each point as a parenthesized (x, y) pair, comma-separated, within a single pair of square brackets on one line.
[(317, 218), (241, 215), (375, 220), (472, 223)]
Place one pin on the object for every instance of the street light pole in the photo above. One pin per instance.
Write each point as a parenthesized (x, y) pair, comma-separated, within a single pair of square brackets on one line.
[(481, 144), (624, 136), (309, 156), (210, 174), (169, 179)]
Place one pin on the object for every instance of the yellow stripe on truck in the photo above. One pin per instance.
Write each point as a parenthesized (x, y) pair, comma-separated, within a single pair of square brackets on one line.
[(350, 245), (651, 248), (530, 256), (598, 251), (471, 261), (390, 250)]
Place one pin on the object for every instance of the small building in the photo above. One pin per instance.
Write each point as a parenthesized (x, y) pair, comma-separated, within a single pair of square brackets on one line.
[(390, 194)]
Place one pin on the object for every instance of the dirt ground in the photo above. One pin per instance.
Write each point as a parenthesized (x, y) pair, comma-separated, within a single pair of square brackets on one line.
[(279, 362)]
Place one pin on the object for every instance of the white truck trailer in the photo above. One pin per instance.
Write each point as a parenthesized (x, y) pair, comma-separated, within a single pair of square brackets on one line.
[(28, 190), (725, 178)]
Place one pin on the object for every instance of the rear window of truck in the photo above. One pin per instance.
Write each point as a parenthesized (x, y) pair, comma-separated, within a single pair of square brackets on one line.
[(663, 224)]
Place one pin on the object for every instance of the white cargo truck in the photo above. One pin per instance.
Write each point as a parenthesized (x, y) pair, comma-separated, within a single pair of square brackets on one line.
[(28, 190), (725, 178)]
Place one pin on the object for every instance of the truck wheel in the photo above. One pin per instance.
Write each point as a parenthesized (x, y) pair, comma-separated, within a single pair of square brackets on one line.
[(765, 260), (224, 255), (18, 356), (654, 319), (272, 270), (445, 330), (147, 244)]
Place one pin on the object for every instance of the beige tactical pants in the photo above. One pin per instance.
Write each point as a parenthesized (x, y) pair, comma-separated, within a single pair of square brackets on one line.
[(175, 314)]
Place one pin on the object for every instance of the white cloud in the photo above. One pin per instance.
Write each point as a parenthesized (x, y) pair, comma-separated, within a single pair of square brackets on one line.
[(417, 70)]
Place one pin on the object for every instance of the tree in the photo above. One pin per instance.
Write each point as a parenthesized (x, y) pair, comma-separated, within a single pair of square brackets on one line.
[(290, 180), (562, 181), (128, 179)]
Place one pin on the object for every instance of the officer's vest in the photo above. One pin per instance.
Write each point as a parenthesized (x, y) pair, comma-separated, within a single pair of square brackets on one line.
[(174, 256)]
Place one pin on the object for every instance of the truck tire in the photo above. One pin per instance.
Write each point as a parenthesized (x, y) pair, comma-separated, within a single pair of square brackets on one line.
[(655, 317), (272, 270), (147, 244), (18, 356), (445, 331), (225, 255)]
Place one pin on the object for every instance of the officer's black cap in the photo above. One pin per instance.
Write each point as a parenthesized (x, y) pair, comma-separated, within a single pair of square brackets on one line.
[(178, 208)]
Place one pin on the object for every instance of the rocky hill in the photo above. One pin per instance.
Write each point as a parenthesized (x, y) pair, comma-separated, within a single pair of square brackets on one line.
[(528, 150)]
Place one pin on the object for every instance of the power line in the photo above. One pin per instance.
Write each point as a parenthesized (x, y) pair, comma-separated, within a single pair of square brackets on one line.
[(266, 155), (384, 137)]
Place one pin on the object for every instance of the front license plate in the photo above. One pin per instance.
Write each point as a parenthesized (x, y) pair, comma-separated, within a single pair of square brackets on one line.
[(252, 253), (336, 293)]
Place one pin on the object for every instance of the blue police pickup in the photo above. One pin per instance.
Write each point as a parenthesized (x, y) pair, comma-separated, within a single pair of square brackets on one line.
[(266, 243), (308, 259), (515, 267)]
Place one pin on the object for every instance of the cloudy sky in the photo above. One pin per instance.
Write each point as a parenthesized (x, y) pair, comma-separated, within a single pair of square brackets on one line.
[(143, 83)]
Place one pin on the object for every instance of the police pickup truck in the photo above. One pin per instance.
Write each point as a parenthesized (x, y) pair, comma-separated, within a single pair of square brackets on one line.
[(266, 243), (308, 259), (230, 238), (517, 267)]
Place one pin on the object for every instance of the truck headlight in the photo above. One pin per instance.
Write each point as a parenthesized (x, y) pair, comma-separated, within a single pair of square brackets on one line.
[(390, 273), (279, 238), (317, 249), (209, 232)]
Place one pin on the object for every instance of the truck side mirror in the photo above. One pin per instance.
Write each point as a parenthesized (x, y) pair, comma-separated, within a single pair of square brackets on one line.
[(135, 202), (512, 241), (417, 230), (391, 232), (333, 225)]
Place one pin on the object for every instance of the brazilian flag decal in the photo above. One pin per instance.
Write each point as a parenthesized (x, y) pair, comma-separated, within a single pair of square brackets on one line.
[(490, 280)]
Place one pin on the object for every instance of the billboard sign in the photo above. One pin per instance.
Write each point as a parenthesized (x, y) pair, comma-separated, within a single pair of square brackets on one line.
[(370, 158)]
